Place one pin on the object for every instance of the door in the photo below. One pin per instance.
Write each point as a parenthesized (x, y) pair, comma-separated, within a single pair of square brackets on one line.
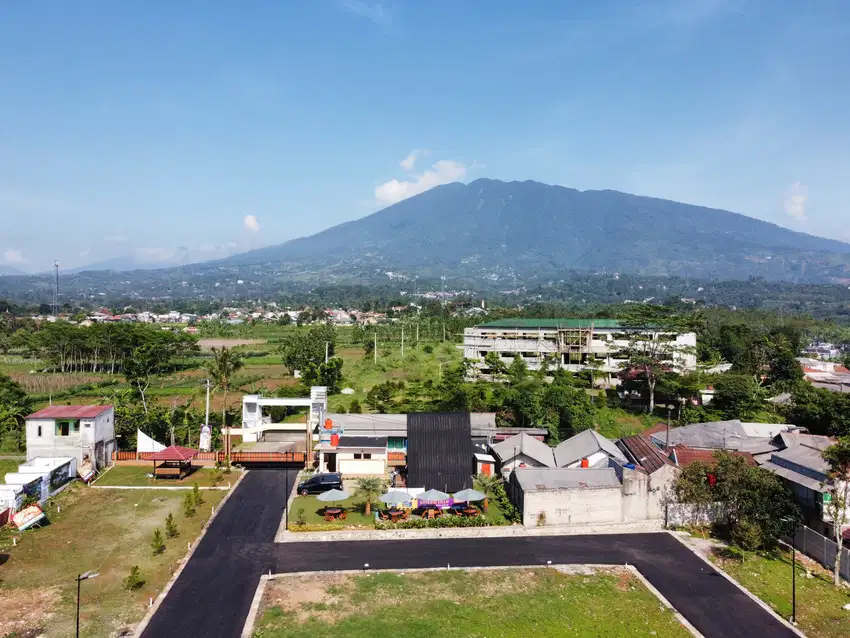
[(486, 469), (330, 461)]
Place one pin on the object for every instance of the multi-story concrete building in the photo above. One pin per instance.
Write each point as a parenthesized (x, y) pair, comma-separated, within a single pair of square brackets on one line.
[(572, 344), (82, 432)]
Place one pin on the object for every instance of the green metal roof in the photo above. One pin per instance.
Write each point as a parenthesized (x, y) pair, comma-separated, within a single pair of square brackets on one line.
[(537, 324)]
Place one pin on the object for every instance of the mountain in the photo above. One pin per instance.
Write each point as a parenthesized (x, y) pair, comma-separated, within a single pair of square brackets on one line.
[(9, 271), (124, 263), (492, 229)]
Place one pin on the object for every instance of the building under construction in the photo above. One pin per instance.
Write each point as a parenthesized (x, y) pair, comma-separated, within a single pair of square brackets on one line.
[(570, 344)]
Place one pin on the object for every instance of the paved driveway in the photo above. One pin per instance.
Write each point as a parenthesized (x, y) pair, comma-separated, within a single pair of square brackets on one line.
[(212, 596)]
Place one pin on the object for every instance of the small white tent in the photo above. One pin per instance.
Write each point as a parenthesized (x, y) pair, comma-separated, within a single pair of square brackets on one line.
[(144, 443)]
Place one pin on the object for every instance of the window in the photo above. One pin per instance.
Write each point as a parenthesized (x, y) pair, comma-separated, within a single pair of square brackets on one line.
[(67, 427), (39, 431), (357, 456), (367, 455)]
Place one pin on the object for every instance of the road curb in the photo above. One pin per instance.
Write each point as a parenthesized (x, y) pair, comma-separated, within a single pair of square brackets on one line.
[(140, 628), (743, 589), (251, 619)]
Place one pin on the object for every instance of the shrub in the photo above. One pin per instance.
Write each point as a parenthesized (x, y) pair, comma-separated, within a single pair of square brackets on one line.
[(355, 407), (444, 522), (217, 476), (29, 499), (157, 544), (300, 519), (541, 519), (747, 536), (134, 579), (197, 497), (428, 348), (188, 505), (500, 496), (170, 527)]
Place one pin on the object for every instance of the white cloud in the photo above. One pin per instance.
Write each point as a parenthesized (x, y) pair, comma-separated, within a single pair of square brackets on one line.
[(795, 202), (13, 256), (442, 172), (250, 222), (373, 12), (408, 162), (115, 238)]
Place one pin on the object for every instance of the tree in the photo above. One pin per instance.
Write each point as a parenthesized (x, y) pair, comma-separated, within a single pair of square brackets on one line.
[(326, 374), (170, 527), (144, 362), (188, 505), (133, 581), (306, 347), (494, 363), (157, 544), (355, 407), (838, 457), (197, 496), (369, 489), (737, 396), (487, 485), (222, 369)]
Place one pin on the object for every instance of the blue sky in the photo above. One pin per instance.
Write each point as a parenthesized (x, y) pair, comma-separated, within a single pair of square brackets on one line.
[(153, 127)]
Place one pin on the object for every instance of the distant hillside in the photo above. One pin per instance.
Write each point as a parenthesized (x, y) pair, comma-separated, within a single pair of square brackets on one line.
[(492, 229), (9, 271)]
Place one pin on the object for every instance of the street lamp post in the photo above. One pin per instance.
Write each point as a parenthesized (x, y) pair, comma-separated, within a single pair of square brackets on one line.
[(793, 568), (669, 411), (86, 576)]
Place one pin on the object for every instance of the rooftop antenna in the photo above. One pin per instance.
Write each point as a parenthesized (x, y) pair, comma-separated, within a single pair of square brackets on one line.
[(56, 288)]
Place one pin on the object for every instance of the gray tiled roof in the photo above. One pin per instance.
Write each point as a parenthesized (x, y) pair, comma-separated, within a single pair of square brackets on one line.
[(540, 479), (729, 435), (583, 445), (527, 445)]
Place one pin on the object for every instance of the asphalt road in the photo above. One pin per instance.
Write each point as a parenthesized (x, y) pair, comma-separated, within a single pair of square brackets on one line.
[(212, 596)]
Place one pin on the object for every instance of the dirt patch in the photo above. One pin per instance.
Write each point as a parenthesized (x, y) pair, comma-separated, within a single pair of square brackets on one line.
[(307, 596), (25, 612), (206, 344), (624, 581)]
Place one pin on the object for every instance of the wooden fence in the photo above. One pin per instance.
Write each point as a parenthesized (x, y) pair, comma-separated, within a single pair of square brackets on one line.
[(221, 457)]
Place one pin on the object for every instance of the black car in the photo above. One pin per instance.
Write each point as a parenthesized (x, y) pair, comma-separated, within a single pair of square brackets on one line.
[(320, 483)]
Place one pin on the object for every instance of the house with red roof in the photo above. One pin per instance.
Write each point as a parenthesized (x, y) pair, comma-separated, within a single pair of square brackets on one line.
[(83, 432)]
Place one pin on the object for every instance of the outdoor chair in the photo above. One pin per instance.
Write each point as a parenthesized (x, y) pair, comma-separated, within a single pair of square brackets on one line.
[(384, 516), (406, 515), (343, 515), (328, 517)]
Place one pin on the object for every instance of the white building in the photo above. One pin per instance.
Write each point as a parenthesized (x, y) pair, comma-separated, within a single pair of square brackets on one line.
[(570, 344), (82, 432)]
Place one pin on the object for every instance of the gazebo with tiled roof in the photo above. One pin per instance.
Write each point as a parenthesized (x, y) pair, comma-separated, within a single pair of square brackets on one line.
[(173, 461)]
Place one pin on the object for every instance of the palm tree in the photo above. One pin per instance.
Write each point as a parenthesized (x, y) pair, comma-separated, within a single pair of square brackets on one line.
[(486, 484), (370, 489), (222, 368)]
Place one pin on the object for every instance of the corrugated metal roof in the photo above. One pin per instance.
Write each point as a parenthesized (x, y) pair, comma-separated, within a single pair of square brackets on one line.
[(551, 323), (644, 453), (439, 451), (583, 445), (541, 479), (795, 477), (70, 412), (527, 445), (804, 456), (685, 455)]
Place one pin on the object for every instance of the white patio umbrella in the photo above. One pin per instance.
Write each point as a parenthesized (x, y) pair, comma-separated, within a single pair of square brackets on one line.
[(395, 497), (466, 496), (332, 496), (432, 496)]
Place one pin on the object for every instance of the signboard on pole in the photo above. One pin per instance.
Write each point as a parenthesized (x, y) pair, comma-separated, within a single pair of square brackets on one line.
[(206, 438)]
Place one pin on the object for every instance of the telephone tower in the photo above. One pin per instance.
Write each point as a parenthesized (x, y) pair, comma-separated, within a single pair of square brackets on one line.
[(56, 288)]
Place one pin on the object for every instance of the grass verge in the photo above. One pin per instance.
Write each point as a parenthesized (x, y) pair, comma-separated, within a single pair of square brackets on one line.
[(137, 476), (819, 604), (504, 603), (107, 531)]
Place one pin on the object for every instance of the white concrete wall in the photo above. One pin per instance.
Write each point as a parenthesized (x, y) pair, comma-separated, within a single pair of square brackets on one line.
[(362, 467), (592, 460), (573, 506), (77, 444)]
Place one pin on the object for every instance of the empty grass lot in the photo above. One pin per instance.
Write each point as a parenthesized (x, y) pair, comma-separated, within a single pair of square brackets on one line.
[(107, 531), (137, 476), (820, 612), (492, 603)]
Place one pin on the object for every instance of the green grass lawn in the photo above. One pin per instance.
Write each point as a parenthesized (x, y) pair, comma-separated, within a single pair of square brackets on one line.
[(9, 465), (492, 603), (103, 530), (819, 604), (137, 475), (314, 508)]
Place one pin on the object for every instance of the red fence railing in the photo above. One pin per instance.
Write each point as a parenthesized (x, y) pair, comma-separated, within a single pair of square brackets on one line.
[(221, 457), (396, 456)]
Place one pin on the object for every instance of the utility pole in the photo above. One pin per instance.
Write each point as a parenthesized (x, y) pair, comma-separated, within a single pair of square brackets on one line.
[(375, 349), (56, 288), (327, 343), (417, 334), (207, 417), (402, 342)]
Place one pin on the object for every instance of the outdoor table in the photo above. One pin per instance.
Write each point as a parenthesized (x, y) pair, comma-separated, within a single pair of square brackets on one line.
[(470, 511), (333, 511), (396, 514)]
